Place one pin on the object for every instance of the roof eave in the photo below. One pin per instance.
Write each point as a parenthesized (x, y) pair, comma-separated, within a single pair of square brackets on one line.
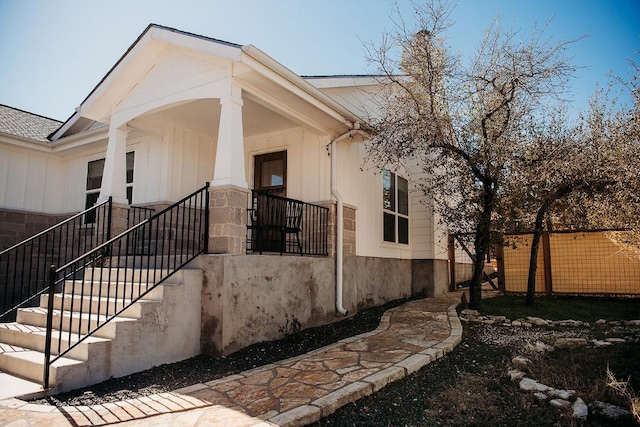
[(334, 109)]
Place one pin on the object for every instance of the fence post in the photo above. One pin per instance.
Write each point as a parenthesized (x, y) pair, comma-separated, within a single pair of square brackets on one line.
[(452, 262), (47, 341), (546, 254), (500, 261)]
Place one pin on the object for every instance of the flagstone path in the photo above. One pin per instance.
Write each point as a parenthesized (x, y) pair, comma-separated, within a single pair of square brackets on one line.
[(292, 392)]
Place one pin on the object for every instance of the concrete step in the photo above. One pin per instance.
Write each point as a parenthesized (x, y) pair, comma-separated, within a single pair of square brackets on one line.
[(37, 316), (29, 364), (33, 338), (149, 261), (112, 289), (125, 273), (95, 305)]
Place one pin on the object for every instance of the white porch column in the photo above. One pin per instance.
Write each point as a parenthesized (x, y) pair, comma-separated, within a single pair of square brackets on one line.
[(229, 167), (114, 176)]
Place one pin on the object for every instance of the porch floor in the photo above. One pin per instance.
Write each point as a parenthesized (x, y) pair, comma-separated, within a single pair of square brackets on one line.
[(292, 392)]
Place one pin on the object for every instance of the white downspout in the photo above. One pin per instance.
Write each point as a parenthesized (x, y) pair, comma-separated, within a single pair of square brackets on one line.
[(339, 215)]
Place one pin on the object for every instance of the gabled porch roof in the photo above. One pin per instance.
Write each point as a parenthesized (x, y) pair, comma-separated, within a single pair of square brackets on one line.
[(268, 87)]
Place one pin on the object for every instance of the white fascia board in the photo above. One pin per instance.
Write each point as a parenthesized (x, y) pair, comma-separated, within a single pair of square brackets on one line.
[(66, 125), (78, 140), (273, 70), (59, 147), (342, 81), (30, 144), (199, 44)]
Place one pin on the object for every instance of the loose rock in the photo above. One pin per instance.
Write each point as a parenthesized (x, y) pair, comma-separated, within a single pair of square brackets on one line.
[(537, 321), (541, 347), (470, 313), (520, 362), (562, 394), (580, 410), (516, 374), (571, 323), (527, 384), (608, 410), (570, 343), (559, 403)]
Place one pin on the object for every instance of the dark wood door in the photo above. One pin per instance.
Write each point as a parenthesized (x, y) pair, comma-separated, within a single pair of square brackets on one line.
[(270, 176), (270, 173)]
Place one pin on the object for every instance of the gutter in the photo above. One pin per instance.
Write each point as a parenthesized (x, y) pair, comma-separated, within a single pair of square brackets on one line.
[(339, 213)]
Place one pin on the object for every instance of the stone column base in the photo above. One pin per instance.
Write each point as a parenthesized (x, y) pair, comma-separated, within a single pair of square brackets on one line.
[(228, 220)]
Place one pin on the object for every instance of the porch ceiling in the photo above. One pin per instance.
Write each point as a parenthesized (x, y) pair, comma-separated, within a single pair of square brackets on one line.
[(204, 116)]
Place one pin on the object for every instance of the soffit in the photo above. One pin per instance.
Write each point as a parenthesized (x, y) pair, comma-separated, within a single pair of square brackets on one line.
[(204, 116)]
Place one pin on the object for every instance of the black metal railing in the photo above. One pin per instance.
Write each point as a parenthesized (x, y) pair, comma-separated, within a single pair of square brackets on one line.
[(85, 295), (278, 224), (24, 267), (137, 214), (138, 243)]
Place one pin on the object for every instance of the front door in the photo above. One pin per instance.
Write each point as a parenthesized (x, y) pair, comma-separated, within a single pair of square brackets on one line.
[(270, 176), (271, 173)]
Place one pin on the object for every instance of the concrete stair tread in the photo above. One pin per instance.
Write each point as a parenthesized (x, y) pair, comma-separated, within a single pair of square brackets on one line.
[(104, 299), (114, 289), (33, 356), (40, 331), (83, 316)]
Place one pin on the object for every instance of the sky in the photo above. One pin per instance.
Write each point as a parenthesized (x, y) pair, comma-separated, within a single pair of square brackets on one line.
[(54, 52)]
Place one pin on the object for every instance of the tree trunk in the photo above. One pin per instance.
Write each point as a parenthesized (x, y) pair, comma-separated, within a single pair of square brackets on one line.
[(481, 243), (538, 229), (475, 286)]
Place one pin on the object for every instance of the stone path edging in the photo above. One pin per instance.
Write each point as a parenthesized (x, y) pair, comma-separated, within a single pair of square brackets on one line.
[(292, 392)]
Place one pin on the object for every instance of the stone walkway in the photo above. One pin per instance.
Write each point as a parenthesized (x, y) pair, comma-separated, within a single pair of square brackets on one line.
[(293, 392)]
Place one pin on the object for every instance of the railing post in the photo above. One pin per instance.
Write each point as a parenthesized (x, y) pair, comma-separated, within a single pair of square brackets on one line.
[(47, 342), (109, 220), (206, 219)]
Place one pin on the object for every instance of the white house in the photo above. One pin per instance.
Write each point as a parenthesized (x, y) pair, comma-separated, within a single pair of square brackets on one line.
[(179, 110)]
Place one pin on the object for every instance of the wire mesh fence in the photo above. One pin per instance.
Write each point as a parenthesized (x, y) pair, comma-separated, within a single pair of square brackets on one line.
[(594, 262)]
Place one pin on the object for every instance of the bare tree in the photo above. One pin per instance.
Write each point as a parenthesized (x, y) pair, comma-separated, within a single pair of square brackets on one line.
[(585, 173), (557, 162), (462, 120)]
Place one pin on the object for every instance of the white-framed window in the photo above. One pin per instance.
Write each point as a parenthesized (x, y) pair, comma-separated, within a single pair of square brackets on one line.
[(395, 208), (95, 170)]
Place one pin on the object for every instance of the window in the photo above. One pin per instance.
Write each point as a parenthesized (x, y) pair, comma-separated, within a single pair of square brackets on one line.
[(395, 204), (95, 169)]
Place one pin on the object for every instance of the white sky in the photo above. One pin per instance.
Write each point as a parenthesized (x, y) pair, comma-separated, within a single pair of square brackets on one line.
[(54, 52)]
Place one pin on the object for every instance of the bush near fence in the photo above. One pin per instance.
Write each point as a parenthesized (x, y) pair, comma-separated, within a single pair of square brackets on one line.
[(584, 262)]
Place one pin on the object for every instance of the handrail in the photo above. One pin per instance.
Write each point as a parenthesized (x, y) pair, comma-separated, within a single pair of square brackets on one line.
[(24, 266), (280, 224), (87, 296), (58, 225)]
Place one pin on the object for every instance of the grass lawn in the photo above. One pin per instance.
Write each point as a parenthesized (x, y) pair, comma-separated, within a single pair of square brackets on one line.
[(586, 309)]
